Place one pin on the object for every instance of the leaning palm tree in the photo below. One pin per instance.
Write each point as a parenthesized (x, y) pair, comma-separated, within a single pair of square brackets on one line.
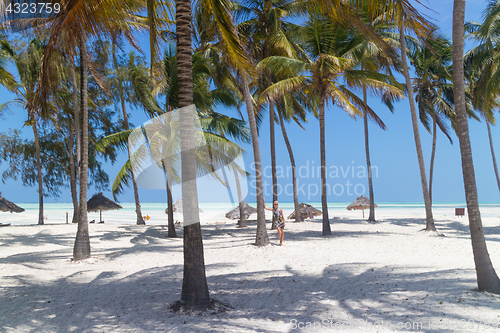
[(6, 78), (120, 77), (434, 90), (28, 66), (69, 29), (407, 18), (487, 279), (228, 41), (268, 33), (483, 69), (368, 55)]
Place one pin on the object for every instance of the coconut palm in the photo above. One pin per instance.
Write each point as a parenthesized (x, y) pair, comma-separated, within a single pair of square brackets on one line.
[(67, 29), (368, 55), (268, 34), (407, 18), (319, 75), (482, 70), (487, 278), (433, 88), (28, 64), (119, 76)]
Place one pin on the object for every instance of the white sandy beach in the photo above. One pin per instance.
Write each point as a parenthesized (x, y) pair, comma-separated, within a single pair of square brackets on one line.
[(387, 276)]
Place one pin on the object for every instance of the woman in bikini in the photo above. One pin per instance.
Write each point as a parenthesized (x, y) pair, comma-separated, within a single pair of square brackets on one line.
[(279, 220)]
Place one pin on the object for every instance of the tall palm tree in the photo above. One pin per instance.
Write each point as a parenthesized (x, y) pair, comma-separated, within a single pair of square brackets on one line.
[(487, 278), (6, 78), (269, 34), (194, 284), (121, 95), (368, 55), (483, 69), (28, 66), (293, 106), (67, 29), (406, 17), (433, 88), (319, 75)]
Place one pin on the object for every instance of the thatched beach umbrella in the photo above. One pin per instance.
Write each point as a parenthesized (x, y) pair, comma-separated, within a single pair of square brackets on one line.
[(99, 203), (7, 206), (235, 213), (305, 211), (177, 207), (360, 203)]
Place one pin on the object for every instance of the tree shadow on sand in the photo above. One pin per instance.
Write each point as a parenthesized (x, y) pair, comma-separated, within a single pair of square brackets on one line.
[(266, 301)]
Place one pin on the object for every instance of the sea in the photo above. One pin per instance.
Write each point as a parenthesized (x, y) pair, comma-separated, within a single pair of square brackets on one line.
[(154, 213)]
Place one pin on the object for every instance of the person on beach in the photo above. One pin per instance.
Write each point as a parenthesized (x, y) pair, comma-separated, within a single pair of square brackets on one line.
[(279, 220)]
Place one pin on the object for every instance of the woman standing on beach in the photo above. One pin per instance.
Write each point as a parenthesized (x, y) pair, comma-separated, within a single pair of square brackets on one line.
[(279, 220)]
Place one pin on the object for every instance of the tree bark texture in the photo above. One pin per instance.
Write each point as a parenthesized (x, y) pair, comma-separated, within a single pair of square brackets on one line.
[(195, 294), (82, 242), (428, 206), (487, 279)]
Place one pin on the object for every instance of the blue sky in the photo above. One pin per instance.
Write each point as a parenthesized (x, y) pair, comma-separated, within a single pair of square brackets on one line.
[(393, 154)]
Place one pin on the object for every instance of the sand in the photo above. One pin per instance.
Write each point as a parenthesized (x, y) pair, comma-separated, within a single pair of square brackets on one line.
[(380, 277)]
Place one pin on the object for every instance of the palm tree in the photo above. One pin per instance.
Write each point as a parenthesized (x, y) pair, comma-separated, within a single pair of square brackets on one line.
[(370, 56), (68, 28), (319, 76), (406, 17), (482, 70), (28, 65), (292, 106), (487, 278), (221, 30), (433, 88), (269, 34)]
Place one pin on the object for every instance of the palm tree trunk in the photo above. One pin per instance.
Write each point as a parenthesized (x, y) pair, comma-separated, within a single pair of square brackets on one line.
[(433, 155), (324, 203), (39, 169), (487, 279), (170, 205), (493, 154), (261, 239), (273, 156), (242, 223), (195, 292), (298, 216), (371, 217), (81, 249), (72, 166), (428, 206), (140, 219)]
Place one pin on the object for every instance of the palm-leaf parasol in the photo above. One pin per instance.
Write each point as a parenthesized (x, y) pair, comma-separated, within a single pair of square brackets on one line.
[(7, 206), (360, 203), (235, 213), (99, 203), (305, 211)]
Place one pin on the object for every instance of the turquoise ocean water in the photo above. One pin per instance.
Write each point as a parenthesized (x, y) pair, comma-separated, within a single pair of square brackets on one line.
[(56, 212)]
